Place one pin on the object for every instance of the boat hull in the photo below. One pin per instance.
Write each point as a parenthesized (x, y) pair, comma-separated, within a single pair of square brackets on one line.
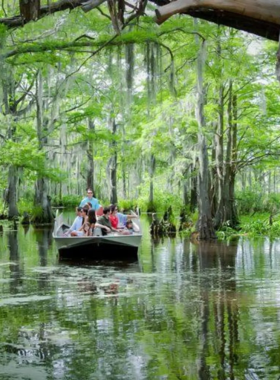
[(99, 252)]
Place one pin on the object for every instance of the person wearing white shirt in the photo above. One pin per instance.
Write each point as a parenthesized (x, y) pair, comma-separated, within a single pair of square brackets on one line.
[(77, 224)]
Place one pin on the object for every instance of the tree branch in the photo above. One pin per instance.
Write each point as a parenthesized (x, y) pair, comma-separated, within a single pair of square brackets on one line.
[(91, 4), (67, 46), (26, 91), (61, 5)]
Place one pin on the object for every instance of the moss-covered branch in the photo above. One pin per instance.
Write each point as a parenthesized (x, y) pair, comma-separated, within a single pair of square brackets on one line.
[(128, 38)]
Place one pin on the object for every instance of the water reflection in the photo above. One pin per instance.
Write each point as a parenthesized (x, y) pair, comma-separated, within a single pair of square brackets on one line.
[(14, 264), (184, 311), (221, 258), (25, 228), (44, 241)]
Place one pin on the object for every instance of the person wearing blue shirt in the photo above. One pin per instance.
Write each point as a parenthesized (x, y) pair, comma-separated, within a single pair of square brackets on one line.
[(94, 202), (77, 224), (122, 219)]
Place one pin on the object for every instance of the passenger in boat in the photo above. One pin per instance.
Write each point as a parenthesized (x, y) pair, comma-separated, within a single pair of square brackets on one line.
[(90, 198), (86, 229), (77, 224), (86, 207), (129, 227), (84, 213), (94, 224), (113, 216), (119, 217), (104, 220)]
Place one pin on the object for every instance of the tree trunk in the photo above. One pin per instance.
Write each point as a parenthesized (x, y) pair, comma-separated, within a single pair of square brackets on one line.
[(124, 181), (204, 224), (214, 182), (138, 176), (129, 58), (124, 164), (29, 10), (226, 211), (219, 147), (90, 170), (249, 177), (243, 180), (185, 192), (233, 166), (10, 107), (112, 167), (152, 168), (193, 200), (43, 214), (12, 189)]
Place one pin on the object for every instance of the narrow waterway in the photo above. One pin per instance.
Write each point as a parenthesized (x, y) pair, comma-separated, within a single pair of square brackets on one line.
[(183, 311)]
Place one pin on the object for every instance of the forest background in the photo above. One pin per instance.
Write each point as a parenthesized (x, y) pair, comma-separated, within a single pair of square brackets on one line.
[(144, 116)]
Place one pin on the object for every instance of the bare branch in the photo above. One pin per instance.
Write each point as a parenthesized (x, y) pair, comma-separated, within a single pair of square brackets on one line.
[(26, 92), (91, 4)]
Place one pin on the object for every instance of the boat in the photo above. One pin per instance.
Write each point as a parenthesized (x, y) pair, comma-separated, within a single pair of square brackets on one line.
[(114, 246)]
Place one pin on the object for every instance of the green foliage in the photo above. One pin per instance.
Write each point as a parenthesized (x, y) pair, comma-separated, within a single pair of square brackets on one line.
[(271, 203), (253, 225), (256, 227), (25, 205), (252, 202), (3, 210), (274, 230), (67, 201), (127, 204), (3, 32), (19, 153), (154, 110), (162, 200)]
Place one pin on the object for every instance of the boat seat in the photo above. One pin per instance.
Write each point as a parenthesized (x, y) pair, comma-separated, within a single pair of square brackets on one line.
[(99, 212), (97, 231)]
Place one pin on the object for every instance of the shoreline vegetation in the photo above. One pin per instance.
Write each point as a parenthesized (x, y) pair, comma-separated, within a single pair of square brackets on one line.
[(258, 215)]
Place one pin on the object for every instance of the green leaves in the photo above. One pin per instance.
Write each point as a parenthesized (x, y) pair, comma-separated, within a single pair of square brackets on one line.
[(19, 153)]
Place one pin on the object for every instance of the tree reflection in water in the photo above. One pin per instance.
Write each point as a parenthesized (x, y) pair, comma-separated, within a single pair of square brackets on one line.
[(184, 315), (15, 264), (222, 302)]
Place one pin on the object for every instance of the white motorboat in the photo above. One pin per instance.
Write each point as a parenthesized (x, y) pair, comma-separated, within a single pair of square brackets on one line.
[(112, 246)]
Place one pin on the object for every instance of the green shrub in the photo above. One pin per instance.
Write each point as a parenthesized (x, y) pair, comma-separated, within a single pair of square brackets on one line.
[(275, 229), (67, 201), (25, 205), (249, 202), (256, 227), (162, 200), (271, 203), (127, 204)]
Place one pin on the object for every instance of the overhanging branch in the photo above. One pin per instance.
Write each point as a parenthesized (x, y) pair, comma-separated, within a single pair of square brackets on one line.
[(61, 5)]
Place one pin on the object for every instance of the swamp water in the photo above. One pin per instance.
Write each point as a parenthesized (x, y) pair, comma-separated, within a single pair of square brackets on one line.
[(183, 311)]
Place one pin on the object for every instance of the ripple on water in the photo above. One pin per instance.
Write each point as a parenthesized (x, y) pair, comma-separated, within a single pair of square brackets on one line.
[(23, 300)]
